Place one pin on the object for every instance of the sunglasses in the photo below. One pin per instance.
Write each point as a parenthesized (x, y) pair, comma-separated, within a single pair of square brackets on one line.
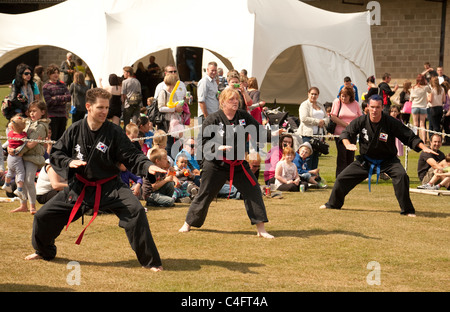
[(27, 73)]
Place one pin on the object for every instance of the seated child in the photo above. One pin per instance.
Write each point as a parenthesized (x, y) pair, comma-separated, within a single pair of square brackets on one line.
[(160, 141), (131, 180), (15, 162), (310, 176), (286, 175), (254, 162), (160, 193), (186, 187), (132, 132), (146, 127)]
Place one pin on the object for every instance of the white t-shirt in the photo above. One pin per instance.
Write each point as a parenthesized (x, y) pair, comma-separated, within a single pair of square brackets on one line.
[(289, 171), (179, 94)]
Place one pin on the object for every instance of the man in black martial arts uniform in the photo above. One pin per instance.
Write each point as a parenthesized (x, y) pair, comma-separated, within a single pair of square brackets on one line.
[(377, 132), (87, 156)]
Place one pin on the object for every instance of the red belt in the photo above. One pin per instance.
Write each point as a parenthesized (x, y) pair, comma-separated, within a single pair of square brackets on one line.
[(233, 164), (98, 195)]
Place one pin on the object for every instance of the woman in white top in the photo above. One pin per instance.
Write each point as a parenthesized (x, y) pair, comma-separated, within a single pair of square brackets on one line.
[(436, 100), (313, 120), (419, 101)]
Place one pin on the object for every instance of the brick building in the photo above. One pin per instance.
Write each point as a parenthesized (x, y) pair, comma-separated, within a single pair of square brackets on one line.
[(409, 34)]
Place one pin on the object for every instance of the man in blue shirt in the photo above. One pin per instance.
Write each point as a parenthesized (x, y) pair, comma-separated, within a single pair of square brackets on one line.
[(348, 83)]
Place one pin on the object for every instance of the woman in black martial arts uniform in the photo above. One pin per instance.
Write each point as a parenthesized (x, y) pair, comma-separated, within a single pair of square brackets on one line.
[(87, 156), (224, 159)]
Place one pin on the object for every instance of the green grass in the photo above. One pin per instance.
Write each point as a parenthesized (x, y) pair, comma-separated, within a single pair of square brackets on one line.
[(314, 250)]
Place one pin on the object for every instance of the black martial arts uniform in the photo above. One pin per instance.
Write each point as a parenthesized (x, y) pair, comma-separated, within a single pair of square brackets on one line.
[(218, 166), (378, 153), (98, 182)]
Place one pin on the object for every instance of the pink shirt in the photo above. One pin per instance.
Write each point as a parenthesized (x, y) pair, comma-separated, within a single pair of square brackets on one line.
[(347, 113)]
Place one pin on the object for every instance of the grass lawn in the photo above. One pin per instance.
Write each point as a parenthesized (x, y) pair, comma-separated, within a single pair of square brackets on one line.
[(314, 250)]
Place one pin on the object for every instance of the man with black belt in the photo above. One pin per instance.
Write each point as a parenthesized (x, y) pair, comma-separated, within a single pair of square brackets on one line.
[(378, 154), (87, 156)]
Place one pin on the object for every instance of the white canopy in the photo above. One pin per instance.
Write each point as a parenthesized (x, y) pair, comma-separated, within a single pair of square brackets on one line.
[(287, 45)]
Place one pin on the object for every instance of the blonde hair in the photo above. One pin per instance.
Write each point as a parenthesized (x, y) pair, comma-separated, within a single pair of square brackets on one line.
[(171, 79), (251, 157), (227, 94), (407, 86), (307, 148), (435, 85), (131, 128), (159, 138), (157, 154), (18, 123)]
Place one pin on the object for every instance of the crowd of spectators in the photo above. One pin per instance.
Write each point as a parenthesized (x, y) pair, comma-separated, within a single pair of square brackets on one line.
[(424, 103)]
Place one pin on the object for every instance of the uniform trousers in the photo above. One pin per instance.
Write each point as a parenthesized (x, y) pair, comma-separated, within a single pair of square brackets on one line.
[(214, 175), (116, 197), (358, 171)]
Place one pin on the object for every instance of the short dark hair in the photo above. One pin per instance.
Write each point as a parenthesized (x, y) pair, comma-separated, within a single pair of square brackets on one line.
[(52, 68), (376, 97)]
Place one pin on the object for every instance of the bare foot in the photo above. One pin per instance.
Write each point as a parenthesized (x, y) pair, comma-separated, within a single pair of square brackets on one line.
[(33, 211), (265, 235), (262, 231), (33, 256), (20, 209), (185, 228), (154, 269)]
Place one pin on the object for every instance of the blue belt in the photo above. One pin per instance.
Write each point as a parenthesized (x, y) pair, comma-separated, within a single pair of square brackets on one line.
[(374, 163)]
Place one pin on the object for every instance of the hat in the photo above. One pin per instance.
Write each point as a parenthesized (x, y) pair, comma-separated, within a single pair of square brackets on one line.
[(306, 144)]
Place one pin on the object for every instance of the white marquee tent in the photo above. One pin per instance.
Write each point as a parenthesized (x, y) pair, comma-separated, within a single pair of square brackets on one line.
[(287, 45)]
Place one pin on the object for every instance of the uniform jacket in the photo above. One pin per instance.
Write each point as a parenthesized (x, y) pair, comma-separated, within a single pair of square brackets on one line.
[(378, 140)]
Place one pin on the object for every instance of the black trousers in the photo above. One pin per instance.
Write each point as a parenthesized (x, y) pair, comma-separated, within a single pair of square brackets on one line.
[(344, 156), (57, 127), (358, 171), (116, 197), (213, 177)]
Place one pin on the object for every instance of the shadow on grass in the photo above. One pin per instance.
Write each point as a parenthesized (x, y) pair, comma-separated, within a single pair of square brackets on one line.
[(197, 264), (31, 288), (426, 214), (294, 233), (174, 264)]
